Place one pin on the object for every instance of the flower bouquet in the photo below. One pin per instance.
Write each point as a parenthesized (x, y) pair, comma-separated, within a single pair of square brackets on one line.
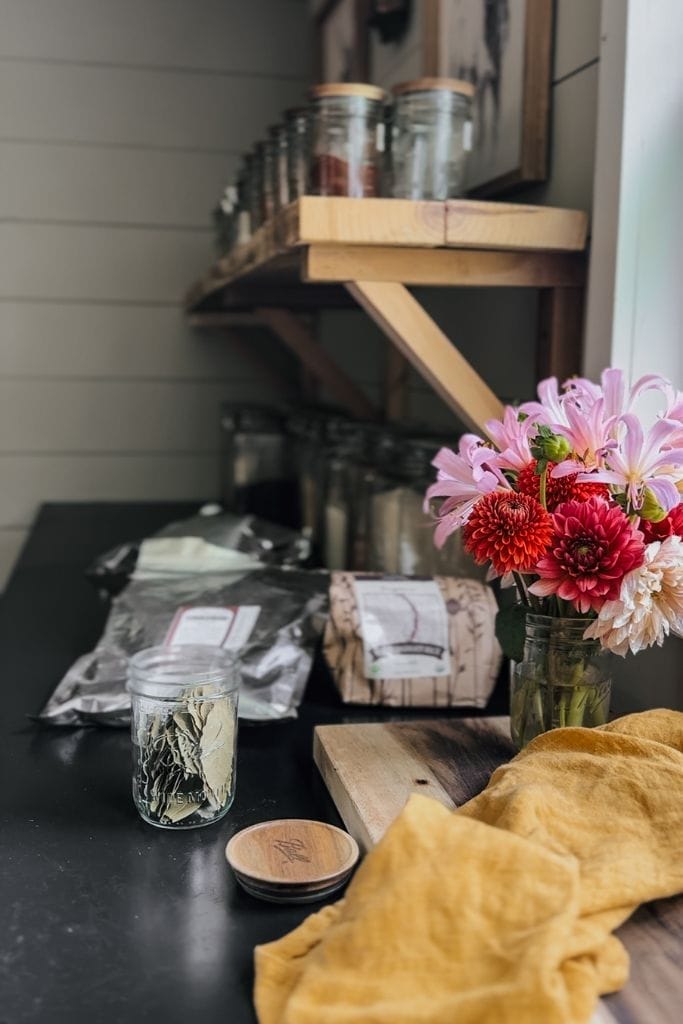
[(580, 506)]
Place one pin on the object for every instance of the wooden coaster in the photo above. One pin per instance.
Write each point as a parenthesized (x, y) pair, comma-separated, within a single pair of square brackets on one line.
[(292, 859)]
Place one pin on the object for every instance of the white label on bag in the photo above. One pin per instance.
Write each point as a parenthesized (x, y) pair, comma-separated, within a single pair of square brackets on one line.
[(404, 624), (467, 135), (214, 627)]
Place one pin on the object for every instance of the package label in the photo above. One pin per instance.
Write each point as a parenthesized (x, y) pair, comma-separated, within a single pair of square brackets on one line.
[(215, 627), (404, 624)]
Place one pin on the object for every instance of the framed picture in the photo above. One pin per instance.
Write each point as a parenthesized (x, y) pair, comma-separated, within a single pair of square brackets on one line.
[(504, 48), (341, 41)]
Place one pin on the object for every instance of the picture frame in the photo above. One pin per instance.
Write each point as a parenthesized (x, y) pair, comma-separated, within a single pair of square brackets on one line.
[(509, 60), (341, 40)]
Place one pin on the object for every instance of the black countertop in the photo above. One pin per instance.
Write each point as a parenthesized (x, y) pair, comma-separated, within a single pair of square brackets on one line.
[(102, 918)]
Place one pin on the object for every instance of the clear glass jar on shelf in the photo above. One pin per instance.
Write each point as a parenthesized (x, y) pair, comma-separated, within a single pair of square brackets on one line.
[(431, 132), (256, 470), (242, 210), (346, 144), (305, 428), (297, 121), (280, 180), (184, 732), (255, 187), (268, 182), (344, 452), (225, 221), (401, 533)]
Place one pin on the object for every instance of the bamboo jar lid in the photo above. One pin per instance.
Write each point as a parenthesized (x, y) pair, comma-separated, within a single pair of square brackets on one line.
[(292, 860), (363, 89), (429, 84)]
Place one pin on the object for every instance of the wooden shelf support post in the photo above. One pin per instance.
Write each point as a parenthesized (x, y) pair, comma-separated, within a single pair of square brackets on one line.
[(560, 332), (296, 336), (421, 341)]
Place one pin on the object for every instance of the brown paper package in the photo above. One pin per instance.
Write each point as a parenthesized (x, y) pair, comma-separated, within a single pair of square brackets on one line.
[(475, 652)]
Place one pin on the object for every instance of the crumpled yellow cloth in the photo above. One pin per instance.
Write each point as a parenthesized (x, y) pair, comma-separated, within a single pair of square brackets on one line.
[(502, 911)]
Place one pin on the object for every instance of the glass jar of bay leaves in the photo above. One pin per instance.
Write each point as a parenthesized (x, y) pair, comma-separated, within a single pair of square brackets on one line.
[(184, 731)]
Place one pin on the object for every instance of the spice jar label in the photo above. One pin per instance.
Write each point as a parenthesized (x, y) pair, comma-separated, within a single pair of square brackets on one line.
[(229, 628), (404, 624)]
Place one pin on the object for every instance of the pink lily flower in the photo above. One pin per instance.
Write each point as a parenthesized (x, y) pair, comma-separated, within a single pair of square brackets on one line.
[(512, 438), (462, 479), (590, 434), (641, 461), (618, 397), (549, 410)]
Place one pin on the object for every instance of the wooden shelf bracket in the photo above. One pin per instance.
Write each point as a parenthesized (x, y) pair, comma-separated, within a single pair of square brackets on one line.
[(424, 344)]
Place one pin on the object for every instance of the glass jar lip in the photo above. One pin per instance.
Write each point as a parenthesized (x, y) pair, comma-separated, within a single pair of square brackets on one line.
[(537, 619), (427, 85), (334, 90), (168, 670)]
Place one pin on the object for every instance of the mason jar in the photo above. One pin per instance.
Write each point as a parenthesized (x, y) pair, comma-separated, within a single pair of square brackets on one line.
[(563, 680), (255, 187), (431, 131), (268, 181), (279, 179), (184, 732), (297, 128), (243, 193), (346, 145)]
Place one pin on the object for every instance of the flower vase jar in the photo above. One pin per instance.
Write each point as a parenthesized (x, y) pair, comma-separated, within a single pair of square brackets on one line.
[(562, 680)]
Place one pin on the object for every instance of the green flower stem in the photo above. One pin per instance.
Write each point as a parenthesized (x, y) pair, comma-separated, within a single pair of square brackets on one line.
[(542, 487)]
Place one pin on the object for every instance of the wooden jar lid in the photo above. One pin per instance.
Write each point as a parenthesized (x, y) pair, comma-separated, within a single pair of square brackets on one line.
[(364, 89), (428, 84), (292, 859)]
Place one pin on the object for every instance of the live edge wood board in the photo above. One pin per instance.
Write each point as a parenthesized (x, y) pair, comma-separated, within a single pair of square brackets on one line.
[(370, 771), (374, 248)]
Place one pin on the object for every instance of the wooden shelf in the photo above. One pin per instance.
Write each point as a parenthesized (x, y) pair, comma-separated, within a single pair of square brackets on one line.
[(322, 252)]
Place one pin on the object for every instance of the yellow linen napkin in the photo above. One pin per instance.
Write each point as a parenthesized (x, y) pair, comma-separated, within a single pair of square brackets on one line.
[(502, 911)]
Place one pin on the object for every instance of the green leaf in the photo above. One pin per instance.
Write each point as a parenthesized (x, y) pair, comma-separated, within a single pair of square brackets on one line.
[(510, 623)]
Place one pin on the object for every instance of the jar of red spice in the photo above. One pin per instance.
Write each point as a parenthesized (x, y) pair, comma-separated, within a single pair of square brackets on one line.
[(347, 134)]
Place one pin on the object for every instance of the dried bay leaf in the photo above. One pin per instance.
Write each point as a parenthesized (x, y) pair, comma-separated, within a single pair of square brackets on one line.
[(216, 750)]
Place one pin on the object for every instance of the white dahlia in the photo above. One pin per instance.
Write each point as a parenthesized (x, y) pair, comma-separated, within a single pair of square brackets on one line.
[(650, 602)]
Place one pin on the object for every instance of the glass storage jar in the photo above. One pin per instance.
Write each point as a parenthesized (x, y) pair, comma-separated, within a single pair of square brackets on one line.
[(431, 132), (297, 126), (279, 179), (268, 183), (184, 731), (345, 155), (401, 534), (243, 217), (255, 187), (256, 467), (344, 450)]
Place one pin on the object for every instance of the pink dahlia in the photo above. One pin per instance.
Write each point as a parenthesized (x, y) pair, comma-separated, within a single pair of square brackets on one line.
[(593, 547)]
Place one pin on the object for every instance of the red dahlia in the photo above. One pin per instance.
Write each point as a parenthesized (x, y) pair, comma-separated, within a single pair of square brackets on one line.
[(671, 525), (510, 530), (593, 547), (557, 491)]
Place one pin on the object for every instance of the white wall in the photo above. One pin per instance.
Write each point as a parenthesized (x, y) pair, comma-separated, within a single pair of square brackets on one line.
[(635, 309), (496, 329), (120, 121)]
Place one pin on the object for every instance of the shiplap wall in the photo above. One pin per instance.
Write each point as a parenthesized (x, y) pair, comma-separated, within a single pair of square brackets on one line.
[(120, 122), (495, 329)]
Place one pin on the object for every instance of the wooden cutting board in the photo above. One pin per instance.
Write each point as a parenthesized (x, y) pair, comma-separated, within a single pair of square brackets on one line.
[(371, 770)]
